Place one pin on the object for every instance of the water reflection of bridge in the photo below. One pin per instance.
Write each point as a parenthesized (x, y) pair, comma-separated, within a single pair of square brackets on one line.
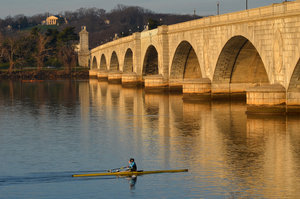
[(220, 130)]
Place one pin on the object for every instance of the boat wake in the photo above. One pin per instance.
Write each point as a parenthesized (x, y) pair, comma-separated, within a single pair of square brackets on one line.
[(44, 177)]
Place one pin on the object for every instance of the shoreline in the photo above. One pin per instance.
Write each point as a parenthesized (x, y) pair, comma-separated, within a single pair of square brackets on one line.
[(44, 75)]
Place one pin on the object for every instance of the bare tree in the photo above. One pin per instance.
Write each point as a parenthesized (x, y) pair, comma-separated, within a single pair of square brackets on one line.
[(68, 57), (67, 39), (9, 49), (15, 49), (1, 45), (41, 51)]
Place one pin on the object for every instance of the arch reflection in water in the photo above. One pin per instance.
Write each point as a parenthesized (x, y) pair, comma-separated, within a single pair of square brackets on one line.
[(216, 139), (227, 152)]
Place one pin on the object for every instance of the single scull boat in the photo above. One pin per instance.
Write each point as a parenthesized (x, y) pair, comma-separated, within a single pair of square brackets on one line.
[(129, 173)]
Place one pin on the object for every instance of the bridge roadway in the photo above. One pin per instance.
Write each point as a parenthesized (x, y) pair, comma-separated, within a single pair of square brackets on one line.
[(252, 53)]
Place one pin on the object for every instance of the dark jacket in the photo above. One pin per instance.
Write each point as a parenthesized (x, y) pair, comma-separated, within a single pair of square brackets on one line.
[(132, 166)]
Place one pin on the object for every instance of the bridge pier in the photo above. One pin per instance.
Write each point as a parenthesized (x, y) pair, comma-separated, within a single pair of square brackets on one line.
[(293, 102), (114, 77), (266, 99), (93, 73), (176, 85), (131, 79), (230, 91), (156, 83), (220, 91), (102, 75), (197, 89), (238, 90)]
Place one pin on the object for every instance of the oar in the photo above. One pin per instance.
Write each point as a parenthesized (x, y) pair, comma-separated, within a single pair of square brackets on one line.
[(94, 171), (104, 170), (110, 170)]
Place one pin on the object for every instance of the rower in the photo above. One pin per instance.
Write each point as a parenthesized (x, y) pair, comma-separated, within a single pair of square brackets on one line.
[(132, 165)]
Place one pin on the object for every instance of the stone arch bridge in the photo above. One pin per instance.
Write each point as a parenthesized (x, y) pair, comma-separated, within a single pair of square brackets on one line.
[(253, 53)]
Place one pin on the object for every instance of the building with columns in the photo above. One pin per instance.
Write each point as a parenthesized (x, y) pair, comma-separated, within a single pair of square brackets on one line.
[(51, 20), (54, 20)]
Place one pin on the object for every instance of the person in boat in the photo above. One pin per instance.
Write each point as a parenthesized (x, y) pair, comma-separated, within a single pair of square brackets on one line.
[(132, 165)]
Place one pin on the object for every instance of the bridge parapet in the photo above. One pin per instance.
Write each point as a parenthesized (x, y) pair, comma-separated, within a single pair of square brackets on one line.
[(274, 10), (149, 33), (114, 43)]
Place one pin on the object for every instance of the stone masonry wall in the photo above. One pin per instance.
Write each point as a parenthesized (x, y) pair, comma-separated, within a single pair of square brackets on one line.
[(217, 40)]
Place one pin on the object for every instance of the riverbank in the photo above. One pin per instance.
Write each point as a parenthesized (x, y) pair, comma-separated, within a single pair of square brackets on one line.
[(44, 75)]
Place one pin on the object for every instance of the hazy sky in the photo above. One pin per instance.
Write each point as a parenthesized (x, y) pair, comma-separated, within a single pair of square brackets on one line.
[(203, 7)]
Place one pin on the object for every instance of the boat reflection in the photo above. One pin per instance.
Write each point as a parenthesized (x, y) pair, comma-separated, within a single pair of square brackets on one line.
[(132, 181)]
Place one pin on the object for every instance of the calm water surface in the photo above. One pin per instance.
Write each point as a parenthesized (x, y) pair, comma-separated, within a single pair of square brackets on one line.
[(50, 130)]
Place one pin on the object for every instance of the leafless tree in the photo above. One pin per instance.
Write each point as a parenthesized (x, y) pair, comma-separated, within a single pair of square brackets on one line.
[(1, 45), (41, 51), (9, 49), (68, 57)]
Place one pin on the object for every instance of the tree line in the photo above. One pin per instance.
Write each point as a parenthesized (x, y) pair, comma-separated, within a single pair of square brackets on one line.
[(102, 25), (122, 20), (25, 42), (39, 48)]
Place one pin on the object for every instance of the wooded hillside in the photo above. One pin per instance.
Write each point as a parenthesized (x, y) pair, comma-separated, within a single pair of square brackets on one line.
[(101, 25)]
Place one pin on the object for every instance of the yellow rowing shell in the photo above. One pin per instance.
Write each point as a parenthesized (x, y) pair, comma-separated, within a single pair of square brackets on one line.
[(129, 173)]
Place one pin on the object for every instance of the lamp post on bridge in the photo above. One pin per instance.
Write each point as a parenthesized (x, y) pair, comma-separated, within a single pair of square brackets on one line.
[(218, 8), (246, 4)]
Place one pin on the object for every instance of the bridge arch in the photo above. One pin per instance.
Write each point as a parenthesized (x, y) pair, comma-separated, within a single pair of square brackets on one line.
[(114, 62), (294, 85), (103, 65), (94, 63), (239, 62), (185, 64), (150, 64), (128, 61)]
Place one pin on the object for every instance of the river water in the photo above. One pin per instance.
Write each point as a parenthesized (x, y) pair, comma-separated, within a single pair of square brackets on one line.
[(50, 130)]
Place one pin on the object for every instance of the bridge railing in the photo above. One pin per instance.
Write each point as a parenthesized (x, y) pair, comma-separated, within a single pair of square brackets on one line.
[(114, 43), (149, 33), (245, 15)]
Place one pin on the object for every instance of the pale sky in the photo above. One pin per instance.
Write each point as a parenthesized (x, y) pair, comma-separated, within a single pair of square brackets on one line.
[(202, 7)]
